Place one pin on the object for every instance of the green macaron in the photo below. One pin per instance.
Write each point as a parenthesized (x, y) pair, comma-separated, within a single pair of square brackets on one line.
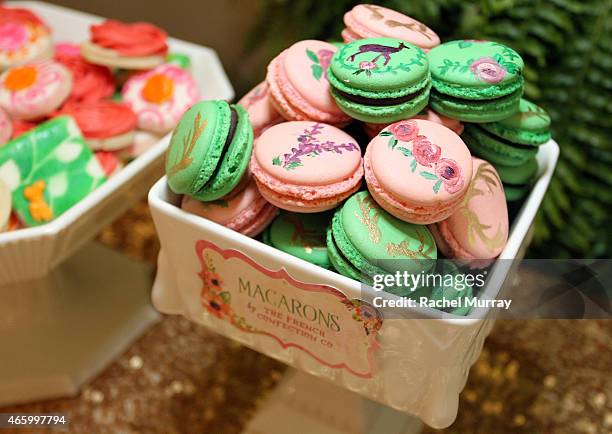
[(475, 81), (380, 80), (517, 180), (529, 126), (301, 235), (496, 149), (365, 240), (209, 150)]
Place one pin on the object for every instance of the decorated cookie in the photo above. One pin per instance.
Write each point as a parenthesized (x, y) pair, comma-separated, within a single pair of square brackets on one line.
[(478, 230), (306, 166), (23, 38), (298, 83), (181, 60), (258, 105), (106, 125), (6, 202), (418, 170), (48, 170), (364, 240), (529, 126), (21, 126), (34, 90), (301, 235), (380, 80), (246, 211), (126, 45), (110, 163), (6, 127), (142, 142), (371, 21), (90, 82), (427, 114), (159, 97), (475, 81)]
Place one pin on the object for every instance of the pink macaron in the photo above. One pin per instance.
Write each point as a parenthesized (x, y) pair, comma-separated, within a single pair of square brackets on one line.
[(298, 83), (478, 231), (306, 166), (371, 21), (34, 90), (258, 105), (418, 170), (427, 114), (246, 211)]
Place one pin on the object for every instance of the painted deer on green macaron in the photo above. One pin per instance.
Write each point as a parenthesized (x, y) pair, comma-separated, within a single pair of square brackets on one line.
[(384, 50)]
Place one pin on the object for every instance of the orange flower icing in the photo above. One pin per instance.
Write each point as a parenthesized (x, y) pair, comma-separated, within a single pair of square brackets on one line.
[(39, 209), (158, 89), (20, 78)]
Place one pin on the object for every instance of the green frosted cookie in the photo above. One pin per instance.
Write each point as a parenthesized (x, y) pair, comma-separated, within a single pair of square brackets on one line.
[(49, 169), (380, 79)]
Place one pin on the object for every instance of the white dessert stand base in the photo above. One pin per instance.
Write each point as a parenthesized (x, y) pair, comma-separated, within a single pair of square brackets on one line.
[(58, 332), (303, 403)]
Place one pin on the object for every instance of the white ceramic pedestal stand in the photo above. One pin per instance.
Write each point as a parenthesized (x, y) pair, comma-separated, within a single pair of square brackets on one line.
[(59, 331), (303, 403)]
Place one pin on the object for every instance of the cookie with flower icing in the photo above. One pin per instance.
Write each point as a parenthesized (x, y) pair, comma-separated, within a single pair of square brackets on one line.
[(90, 82), (6, 127), (262, 113), (418, 170), (126, 45), (475, 81), (35, 89), (159, 97), (23, 38)]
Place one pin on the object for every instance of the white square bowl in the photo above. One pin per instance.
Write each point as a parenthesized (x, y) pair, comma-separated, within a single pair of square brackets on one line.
[(32, 252), (419, 366)]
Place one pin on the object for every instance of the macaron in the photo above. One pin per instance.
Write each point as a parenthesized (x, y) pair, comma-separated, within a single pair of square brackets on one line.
[(496, 149), (306, 166), (24, 38), (298, 83), (372, 21), (6, 204), (90, 82), (105, 124), (529, 126), (475, 81), (427, 114), (364, 240), (418, 170), (209, 150), (34, 90), (246, 211), (301, 235), (478, 231), (380, 80), (126, 45), (160, 96), (517, 179), (258, 105), (6, 127)]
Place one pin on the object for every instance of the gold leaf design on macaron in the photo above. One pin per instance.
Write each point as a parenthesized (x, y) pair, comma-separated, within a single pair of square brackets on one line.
[(370, 222), (403, 249), (189, 141)]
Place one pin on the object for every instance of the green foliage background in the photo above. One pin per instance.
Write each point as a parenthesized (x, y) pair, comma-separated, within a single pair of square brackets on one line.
[(567, 46)]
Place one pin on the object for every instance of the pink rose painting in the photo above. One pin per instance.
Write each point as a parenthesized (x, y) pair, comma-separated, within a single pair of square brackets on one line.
[(487, 69), (404, 130), (425, 152), (450, 173)]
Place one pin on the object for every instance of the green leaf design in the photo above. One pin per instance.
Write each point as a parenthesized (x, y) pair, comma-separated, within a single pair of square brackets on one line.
[(385, 133), (413, 165), (226, 296), (392, 142), (276, 161), (407, 152), (437, 186), (312, 56), (317, 71), (293, 165), (429, 175)]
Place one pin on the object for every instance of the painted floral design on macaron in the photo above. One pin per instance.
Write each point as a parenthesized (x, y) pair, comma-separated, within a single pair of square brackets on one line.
[(418, 170)]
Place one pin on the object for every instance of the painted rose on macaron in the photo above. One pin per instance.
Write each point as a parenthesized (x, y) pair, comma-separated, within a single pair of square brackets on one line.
[(487, 69)]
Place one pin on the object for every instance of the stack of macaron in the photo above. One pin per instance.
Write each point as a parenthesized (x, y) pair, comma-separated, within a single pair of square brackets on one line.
[(122, 90), (408, 191)]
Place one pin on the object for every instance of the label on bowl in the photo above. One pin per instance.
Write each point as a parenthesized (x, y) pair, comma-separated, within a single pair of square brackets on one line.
[(317, 319)]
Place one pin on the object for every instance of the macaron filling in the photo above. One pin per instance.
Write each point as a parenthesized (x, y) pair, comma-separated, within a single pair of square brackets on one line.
[(380, 102)]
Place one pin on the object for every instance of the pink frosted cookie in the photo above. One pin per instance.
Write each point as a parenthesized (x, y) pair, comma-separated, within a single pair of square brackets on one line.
[(35, 89), (370, 21), (6, 127), (23, 38), (428, 115), (262, 113), (246, 212), (298, 83), (306, 166), (477, 232), (159, 97), (110, 163), (418, 170)]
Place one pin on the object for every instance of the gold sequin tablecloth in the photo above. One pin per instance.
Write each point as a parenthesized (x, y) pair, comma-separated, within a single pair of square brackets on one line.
[(532, 377)]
